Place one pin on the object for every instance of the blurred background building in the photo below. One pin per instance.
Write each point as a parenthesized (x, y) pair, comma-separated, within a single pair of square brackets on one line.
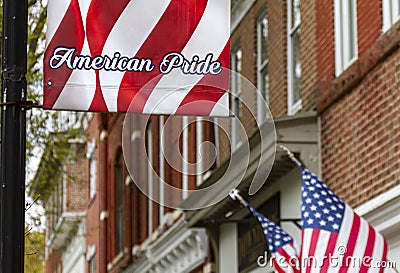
[(330, 74)]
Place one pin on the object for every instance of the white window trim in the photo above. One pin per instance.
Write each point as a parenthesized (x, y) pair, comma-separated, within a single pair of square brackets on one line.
[(236, 93), (91, 156), (185, 157), (261, 64), (390, 13), (162, 172), (293, 107), (150, 178), (199, 152), (342, 61)]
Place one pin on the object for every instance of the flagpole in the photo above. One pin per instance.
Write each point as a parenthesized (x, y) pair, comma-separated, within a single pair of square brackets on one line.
[(235, 195), (291, 155), (13, 136)]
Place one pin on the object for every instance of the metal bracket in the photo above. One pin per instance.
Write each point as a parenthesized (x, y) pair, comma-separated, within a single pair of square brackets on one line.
[(14, 73), (26, 104)]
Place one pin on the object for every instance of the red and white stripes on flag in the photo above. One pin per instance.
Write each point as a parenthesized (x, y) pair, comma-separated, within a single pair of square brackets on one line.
[(334, 238), (104, 55)]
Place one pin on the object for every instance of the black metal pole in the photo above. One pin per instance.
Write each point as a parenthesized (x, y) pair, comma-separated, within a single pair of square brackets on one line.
[(13, 136)]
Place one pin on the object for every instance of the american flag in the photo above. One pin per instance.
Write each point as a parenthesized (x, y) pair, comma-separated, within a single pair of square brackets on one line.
[(123, 29), (280, 244), (334, 238)]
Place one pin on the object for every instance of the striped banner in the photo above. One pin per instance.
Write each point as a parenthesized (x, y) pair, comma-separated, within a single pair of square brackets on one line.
[(143, 56)]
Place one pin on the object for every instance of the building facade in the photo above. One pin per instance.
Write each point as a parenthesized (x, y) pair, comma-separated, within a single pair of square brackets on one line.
[(328, 72), (63, 193)]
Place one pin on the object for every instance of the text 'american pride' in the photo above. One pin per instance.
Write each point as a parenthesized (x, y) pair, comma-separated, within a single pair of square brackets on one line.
[(172, 60)]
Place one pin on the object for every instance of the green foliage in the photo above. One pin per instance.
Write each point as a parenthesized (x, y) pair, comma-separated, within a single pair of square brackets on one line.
[(34, 251)]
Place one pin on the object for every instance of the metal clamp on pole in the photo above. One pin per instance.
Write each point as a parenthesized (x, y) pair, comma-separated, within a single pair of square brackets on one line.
[(291, 155)]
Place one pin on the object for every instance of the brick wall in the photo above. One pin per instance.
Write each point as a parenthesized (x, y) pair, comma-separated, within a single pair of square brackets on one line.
[(360, 139), (54, 262), (77, 182), (359, 110), (308, 54)]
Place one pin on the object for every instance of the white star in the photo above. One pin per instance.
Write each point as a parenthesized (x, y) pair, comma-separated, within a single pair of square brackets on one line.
[(322, 223), (321, 203), (306, 214), (338, 215), (335, 226), (323, 193), (333, 208), (330, 219), (340, 206), (277, 243), (316, 195), (308, 200), (311, 188), (318, 186), (310, 221), (313, 208), (317, 215), (305, 194), (313, 181), (326, 211), (303, 208), (328, 200)]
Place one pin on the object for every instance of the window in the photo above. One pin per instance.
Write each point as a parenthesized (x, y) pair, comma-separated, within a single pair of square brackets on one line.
[(92, 264), (294, 62), (236, 63), (118, 203), (262, 63), (390, 13), (345, 34), (91, 155)]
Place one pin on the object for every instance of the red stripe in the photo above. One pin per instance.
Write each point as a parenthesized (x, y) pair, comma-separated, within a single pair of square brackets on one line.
[(276, 266), (184, 16), (313, 246), (289, 258), (70, 33), (369, 249), (351, 243), (101, 18), (206, 93), (301, 248), (330, 249), (381, 269)]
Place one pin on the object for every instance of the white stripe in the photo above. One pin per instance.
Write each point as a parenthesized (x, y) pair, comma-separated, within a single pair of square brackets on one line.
[(221, 108), (355, 262), (307, 232), (377, 253), (84, 7), (81, 83), (55, 13), (79, 90), (343, 238), (199, 44), (127, 36), (319, 259), (282, 261)]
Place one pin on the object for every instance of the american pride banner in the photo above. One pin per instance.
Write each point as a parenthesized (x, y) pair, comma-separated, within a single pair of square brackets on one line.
[(143, 56)]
